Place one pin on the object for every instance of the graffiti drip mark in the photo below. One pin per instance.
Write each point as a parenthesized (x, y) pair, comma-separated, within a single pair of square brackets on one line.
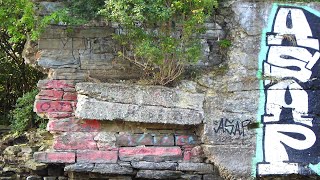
[(289, 20), (288, 98), (289, 142)]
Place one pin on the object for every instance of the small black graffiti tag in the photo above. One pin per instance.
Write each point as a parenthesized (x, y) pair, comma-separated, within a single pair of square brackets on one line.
[(232, 127)]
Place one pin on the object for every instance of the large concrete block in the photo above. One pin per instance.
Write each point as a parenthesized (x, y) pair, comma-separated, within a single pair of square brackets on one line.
[(150, 104), (142, 95)]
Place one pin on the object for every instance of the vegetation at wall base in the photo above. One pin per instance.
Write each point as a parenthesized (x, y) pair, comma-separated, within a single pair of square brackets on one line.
[(23, 117)]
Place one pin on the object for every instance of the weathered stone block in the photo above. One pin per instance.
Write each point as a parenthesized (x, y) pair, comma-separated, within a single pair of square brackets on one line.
[(107, 146), (31, 164), (211, 177), (55, 157), (154, 154), (89, 108), (154, 166), (97, 157), (79, 167), (107, 137), (142, 95), (232, 161), (196, 167), (112, 169), (192, 177), (75, 141), (59, 58), (63, 43), (153, 174), (134, 139), (33, 177)]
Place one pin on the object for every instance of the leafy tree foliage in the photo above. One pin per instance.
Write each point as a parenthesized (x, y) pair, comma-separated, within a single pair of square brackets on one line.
[(17, 21)]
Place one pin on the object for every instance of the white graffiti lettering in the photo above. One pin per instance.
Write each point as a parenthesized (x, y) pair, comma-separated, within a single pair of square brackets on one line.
[(288, 125)]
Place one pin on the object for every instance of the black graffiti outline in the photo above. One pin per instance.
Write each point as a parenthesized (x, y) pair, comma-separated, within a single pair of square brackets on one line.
[(225, 125)]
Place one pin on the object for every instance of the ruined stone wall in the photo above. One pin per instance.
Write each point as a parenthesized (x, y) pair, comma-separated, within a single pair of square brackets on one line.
[(253, 114)]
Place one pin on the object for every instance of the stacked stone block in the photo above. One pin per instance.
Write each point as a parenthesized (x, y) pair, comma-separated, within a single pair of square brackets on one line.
[(89, 143), (96, 146)]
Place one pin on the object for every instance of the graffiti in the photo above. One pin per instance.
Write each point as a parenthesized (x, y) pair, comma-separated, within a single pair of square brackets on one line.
[(290, 71), (232, 127), (182, 140), (53, 106)]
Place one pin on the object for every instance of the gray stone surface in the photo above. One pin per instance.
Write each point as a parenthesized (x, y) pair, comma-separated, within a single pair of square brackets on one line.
[(50, 178), (154, 166), (79, 167), (252, 16), (31, 164), (59, 59), (212, 177), (191, 177), (93, 109), (163, 174), (112, 169), (33, 177), (142, 95), (196, 167), (233, 162)]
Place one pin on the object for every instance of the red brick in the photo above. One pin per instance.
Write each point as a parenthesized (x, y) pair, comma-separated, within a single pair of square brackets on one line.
[(59, 115), (90, 125), (55, 84), (73, 125), (154, 154), (50, 94), (75, 141), (187, 156), (53, 106), (182, 140), (97, 157), (61, 157), (55, 157), (70, 96), (134, 139)]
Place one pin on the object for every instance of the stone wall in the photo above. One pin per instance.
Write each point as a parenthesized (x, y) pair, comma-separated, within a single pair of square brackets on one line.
[(253, 114)]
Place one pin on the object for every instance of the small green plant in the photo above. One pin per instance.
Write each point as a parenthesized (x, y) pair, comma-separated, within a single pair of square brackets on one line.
[(159, 36), (224, 43), (23, 116)]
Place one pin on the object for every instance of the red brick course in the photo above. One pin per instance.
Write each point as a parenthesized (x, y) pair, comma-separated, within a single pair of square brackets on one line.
[(53, 106), (75, 141), (97, 156), (150, 153), (73, 125), (55, 157)]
